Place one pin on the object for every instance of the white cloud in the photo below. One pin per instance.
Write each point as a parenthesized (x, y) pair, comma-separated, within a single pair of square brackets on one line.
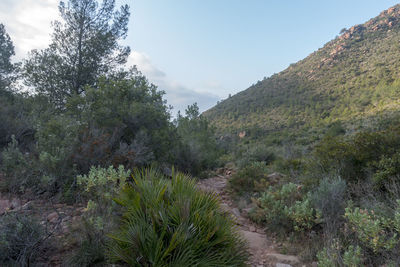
[(177, 95), (28, 23)]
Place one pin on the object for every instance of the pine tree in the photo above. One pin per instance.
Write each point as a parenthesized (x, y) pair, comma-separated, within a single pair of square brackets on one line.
[(85, 45), (7, 68)]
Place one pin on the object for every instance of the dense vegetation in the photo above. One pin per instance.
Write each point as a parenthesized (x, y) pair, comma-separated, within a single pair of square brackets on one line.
[(353, 78), (340, 201), (314, 150), (80, 114), (317, 148)]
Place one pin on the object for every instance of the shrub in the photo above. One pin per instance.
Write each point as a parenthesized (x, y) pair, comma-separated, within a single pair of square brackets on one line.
[(197, 147), (329, 198), (247, 178), (332, 256), (15, 166), (15, 120), (99, 187), (91, 245), (302, 214), (23, 240), (257, 153), (387, 168), (129, 120), (102, 184), (352, 257), (376, 232), (286, 209), (56, 139), (327, 259), (171, 223)]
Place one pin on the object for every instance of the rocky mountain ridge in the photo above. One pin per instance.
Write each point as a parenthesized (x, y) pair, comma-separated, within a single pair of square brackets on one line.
[(352, 78)]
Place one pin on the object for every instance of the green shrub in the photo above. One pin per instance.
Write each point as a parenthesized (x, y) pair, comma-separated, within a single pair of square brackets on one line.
[(249, 178), (23, 240), (379, 233), (257, 153), (332, 256), (197, 148), (125, 122), (99, 187), (102, 184), (387, 168), (286, 209), (356, 157), (56, 139), (329, 198), (352, 257), (327, 259), (171, 223), (15, 166), (91, 239)]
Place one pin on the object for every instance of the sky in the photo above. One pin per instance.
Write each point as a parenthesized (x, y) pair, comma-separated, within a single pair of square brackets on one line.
[(203, 50)]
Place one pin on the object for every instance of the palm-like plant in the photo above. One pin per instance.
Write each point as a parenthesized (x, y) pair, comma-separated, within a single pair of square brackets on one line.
[(171, 223)]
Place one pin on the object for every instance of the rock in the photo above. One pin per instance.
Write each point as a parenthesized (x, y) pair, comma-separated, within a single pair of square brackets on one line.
[(260, 231), (5, 205), (314, 264), (52, 217), (246, 211), (255, 240), (287, 259), (252, 228), (236, 212), (283, 265)]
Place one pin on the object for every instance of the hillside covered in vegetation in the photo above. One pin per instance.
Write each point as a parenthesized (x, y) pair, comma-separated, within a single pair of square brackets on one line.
[(302, 167), (353, 78)]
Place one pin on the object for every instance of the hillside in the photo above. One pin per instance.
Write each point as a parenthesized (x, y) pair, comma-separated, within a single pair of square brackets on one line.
[(353, 78)]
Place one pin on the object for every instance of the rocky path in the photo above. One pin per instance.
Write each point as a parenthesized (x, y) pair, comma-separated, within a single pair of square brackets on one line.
[(262, 249)]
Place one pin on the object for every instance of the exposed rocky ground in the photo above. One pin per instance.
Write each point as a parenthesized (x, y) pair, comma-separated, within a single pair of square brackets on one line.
[(58, 218), (263, 249)]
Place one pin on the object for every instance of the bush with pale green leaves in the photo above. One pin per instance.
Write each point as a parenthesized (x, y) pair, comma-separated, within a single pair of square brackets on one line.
[(287, 209), (332, 256), (375, 231), (98, 187)]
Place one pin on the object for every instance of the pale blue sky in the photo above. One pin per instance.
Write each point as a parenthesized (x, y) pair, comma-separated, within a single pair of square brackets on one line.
[(223, 46), (203, 50)]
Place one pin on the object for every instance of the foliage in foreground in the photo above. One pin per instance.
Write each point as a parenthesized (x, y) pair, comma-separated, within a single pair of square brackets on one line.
[(23, 241), (171, 223), (287, 208)]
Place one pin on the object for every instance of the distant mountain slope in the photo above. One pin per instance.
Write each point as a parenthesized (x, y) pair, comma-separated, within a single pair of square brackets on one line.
[(356, 75)]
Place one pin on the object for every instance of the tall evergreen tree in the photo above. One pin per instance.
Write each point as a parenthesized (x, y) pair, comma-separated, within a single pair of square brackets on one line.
[(85, 45), (7, 69)]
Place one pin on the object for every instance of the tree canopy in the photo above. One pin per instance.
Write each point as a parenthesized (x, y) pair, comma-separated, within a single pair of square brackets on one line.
[(85, 45), (7, 68)]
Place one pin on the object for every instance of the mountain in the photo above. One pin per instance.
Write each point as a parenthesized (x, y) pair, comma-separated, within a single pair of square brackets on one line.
[(353, 79)]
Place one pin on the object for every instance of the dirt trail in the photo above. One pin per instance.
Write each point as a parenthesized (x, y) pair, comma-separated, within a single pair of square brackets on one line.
[(261, 247)]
